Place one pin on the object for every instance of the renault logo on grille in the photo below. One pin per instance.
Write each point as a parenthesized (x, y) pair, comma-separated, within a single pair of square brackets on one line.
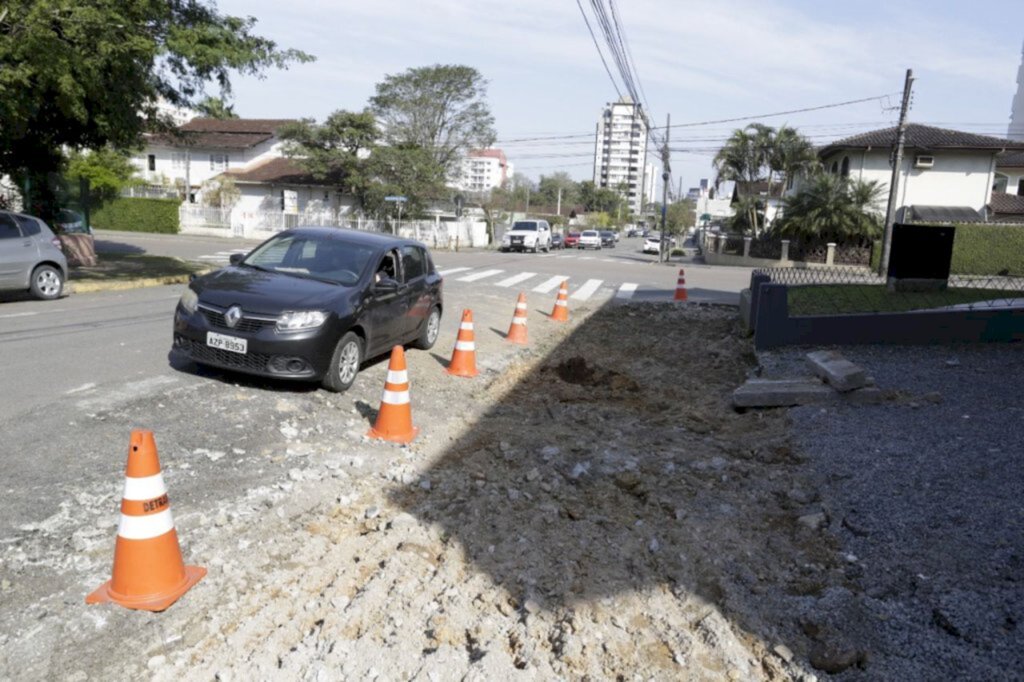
[(232, 316)]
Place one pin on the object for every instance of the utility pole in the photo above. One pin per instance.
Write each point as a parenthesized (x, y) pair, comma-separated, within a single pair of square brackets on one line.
[(666, 172), (559, 211), (894, 182), (527, 215)]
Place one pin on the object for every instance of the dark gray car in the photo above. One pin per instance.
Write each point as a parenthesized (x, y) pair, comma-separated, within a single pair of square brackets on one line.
[(30, 257)]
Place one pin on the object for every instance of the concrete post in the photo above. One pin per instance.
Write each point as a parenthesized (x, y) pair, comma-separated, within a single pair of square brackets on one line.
[(785, 250), (719, 242), (830, 258), (746, 246)]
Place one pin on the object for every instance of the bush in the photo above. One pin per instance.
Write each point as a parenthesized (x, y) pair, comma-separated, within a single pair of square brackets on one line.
[(988, 250), (138, 215)]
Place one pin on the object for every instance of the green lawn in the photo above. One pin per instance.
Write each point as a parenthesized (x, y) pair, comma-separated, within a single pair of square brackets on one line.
[(839, 299), (124, 267)]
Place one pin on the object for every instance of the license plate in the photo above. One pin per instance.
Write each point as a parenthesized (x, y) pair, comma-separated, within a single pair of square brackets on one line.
[(224, 342), (517, 240)]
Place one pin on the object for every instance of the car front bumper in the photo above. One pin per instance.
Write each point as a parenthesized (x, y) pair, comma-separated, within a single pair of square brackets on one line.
[(298, 355)]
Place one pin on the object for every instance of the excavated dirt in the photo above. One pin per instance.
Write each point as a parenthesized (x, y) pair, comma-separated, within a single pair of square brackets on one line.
[(604, 514)]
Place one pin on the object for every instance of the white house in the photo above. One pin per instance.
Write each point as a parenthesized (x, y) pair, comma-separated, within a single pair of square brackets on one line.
[(280, 184), (944, 172), (206, 147)]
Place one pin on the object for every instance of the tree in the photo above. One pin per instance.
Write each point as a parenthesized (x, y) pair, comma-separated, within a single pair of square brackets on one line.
[(834, 208), (87, 74), (550, 185), (221, 192), (107, 171), (334, 151), (440, 108), (216, 107), (410, 171)]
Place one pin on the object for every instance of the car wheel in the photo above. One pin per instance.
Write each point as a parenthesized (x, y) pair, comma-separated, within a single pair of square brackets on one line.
[(47, 283), (431, 329), (348, 355)]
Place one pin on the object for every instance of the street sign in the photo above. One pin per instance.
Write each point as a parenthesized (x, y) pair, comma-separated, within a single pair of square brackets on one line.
[(395, 198)]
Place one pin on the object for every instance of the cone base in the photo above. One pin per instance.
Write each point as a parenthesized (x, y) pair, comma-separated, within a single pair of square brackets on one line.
[(559, 318), (680, 296), (462, 371), (405, 437), (521, 342), (147, 602)]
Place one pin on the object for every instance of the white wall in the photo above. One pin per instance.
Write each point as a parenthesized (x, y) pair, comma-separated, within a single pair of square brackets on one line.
[(956, 179), (199, 171)]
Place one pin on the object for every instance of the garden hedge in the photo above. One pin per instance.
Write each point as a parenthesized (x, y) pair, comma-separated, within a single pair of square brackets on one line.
[(988, 250), (137, 215)]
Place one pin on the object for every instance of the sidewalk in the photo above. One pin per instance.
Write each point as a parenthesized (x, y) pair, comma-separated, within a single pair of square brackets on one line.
[(117, 271)]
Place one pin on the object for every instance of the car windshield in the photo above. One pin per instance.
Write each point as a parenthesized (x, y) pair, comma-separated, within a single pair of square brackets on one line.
[(590, 233), (525, 227), (325, 259)]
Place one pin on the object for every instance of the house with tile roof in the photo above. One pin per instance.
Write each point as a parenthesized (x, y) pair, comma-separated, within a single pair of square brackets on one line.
[(206, 147), (1010, 174), (942, 169)]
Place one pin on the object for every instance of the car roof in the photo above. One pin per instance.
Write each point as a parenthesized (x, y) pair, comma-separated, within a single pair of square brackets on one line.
[(375, 239)]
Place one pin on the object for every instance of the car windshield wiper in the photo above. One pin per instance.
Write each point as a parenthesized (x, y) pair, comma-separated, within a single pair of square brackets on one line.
[(255, 267), (306, 275)]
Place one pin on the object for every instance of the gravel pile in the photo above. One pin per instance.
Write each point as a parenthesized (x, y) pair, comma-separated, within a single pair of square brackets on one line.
[(924, 493)]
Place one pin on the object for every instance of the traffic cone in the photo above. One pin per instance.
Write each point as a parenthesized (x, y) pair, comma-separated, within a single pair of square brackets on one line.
[(149, 573), (517, 330), (463, 362), (681, 287), (394, 420), (561, 311)]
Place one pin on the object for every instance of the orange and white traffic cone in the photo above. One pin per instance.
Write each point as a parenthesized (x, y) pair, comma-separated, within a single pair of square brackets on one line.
[(517, 330), (561, 311), (394, 420), (681, 287), (149, 573), (463, 362)]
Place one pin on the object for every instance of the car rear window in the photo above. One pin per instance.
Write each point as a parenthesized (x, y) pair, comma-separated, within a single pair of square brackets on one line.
[(414, 262)]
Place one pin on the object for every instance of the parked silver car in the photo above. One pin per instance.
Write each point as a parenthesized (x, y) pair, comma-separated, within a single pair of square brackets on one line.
[(30, 257)]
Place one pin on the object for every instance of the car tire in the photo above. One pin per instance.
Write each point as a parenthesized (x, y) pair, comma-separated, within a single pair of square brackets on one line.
[(344, 367), (47, 283), (430, 331)]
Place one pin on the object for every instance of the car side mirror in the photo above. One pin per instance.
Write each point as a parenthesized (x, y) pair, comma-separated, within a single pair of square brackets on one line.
[(386, 285), (236, 258)]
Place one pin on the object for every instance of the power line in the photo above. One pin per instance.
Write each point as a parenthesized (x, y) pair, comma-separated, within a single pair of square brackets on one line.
[(596, 45), (780, 113)]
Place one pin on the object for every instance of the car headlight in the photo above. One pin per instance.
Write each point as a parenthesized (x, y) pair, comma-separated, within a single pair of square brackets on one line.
[(300, 320), (189, 300)]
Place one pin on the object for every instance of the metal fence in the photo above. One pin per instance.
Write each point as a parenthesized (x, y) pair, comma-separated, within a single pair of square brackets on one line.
[(843, 290)]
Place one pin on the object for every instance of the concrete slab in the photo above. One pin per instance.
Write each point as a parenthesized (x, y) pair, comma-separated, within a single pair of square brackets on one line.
[(836, 370), (782, 393)]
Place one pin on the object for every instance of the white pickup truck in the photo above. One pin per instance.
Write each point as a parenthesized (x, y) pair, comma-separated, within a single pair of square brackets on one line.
[(527, 235)]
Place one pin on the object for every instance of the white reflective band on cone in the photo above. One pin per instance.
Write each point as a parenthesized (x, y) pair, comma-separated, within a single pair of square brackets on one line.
[(520, 306), (146, 488), (396, 397), (561, 303), (145, 527), (518, 320), (398, 377), (466, 326), (465, 345)]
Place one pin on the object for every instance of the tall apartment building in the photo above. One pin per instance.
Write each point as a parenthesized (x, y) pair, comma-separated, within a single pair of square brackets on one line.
[(483, 170), (1016, 131), (620, 151)]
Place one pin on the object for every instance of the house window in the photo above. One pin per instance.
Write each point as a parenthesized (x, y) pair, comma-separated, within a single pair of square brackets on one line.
[(845, 169), (1020, 187), (218, 162), (178, 160), (151, 162), (835, 167)]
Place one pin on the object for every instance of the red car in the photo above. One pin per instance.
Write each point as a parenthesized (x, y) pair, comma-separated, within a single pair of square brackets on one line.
[(572, 240)]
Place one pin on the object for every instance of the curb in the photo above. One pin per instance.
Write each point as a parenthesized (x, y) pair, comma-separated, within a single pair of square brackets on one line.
[(122, 285)]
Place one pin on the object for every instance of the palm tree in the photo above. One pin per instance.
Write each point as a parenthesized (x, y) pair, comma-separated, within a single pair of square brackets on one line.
[(740, 160), (832, 208)]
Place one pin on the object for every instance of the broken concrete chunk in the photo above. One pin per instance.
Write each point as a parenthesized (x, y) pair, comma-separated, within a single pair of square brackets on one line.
[(781, 393), (836, 370)]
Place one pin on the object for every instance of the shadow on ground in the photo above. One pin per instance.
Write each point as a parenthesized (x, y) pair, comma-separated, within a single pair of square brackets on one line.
[(616, 468)]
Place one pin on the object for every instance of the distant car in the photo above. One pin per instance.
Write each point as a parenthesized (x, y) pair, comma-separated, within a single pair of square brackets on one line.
[(590, 239), (527, 235), (31, 258), (572, 240), (607, 238), (556, 241), (652, 243), (310, 304), (615, 233)]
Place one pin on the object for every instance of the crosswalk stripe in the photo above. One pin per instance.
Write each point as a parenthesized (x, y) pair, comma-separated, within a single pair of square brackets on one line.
[(516, 279), (550, 284), (483, 274), (449, 271), (568, 256), (587, 290), (626, 290)]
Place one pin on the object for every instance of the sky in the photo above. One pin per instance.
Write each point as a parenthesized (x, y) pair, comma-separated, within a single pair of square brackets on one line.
[(698, 62)]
